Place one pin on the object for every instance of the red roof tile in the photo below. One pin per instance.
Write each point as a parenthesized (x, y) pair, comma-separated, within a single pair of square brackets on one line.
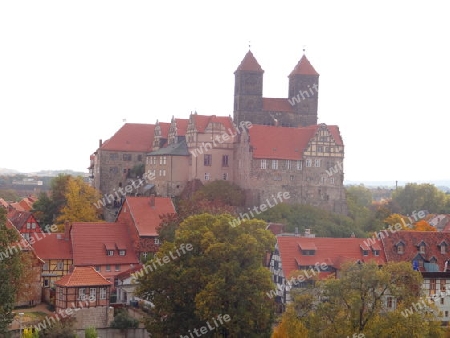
[(249, 63), (146, 218), (303, 67), (165, 126), (332, 251), (411, 239), (201, 122), (182, 125), (53, 246), (127, 273), (83, 276), (17, 206), (131, 137), (19, 218), (89, 241), (277, 104)]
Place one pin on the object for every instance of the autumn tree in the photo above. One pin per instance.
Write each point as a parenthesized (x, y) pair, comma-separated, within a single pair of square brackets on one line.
[(417, 197), (11, 272), (357, 303), (80, 199), (222, 274)]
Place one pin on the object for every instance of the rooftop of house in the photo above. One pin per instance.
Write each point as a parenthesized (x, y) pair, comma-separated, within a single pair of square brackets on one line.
[(146, 212), (201, 122), (175, 149), (126, 274), (101, 243), (53, 246), (20, 218), (303, 252), (181, 125), (136, 137), (287, 143), (83, 276)]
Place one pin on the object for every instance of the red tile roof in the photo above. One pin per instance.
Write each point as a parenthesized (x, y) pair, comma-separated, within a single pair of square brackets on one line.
[(249, 63), (90, 239), (332, 251), (53, 246), (201, 122), (129, 272), (411, 239), (83, 276), (26, 204), (131, 137), (303, 67), (182, 125), (17, 206), (19, 218), (165, 126), (286, 143), (146, 218), (277, 104)]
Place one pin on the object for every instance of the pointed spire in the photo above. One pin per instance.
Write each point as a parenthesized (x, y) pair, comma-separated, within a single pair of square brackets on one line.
[(303, 67), (249, 63)]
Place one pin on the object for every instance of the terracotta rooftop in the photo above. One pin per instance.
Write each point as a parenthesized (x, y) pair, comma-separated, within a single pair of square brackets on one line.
[(83, 276), (90, 240), (165, 126), (182, 125), (303, 67), (19, 218), (53, 246), (146, 217), (249, 63), (411, 240), (131, 137), (127, 273), (332, 251), (277, 105), (201, 122)]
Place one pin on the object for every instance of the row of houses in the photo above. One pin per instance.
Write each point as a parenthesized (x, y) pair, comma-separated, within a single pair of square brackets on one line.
[(318, 257)]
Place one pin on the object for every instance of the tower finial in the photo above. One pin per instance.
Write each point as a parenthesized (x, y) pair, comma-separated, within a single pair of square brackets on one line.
[(249, 45), (304, 49)]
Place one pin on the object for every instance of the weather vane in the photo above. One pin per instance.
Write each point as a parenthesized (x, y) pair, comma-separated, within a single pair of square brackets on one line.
[(249, 45), (304, 49)]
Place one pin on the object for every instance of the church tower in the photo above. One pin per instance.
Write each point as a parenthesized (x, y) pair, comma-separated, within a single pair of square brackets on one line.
[(304, 92), (248, 89)]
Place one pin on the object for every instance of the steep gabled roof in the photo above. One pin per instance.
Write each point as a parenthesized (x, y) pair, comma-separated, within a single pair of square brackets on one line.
[(331, 251), (249, 63), (83, 276), (165, 126), (91, 239), (145, 215), (182, 125), (136, 137), (303, 67), (201, 122), (19, 218), (53, 246)]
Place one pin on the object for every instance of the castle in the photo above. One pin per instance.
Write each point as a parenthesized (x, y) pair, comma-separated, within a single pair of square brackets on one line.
[(270, 145)]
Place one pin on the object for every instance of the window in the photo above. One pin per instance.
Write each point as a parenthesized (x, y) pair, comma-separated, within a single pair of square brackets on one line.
[(308, 163), (33, 225), (162, 172), (126, 157), (274, 164), (442, 301), (400, 249), (422, 248), (322, 180), (390, 303), (108, 268), (110, 252), (45, 267), (61, 293), (207, 160), (320, 149), (299, 165), (81, 294), (275, 265), (443, 248), (28, 225), (376, 252), (206, 176), (432, 287), (92, 293), (156, 240), (443, 285), (113, 170), (46, 283), (365, 253), (288, 164), (139, 158), (291, 177), (60, 265), (162, 160), (97, 268), (317, 163), (225, 176), (122, 252), (117, 268), (331, 180), (308, 252), (113, 156), (446, 313), (263, 164), (102, 293), (225, 161)]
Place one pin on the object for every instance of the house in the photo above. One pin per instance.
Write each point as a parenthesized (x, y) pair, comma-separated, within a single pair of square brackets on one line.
[(24, 222), (142, 216), (298, 260), (85, 293), (126, 285), (108, 247)]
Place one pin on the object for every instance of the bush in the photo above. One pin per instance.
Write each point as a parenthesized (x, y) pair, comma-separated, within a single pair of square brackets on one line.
[(124, 321), (90, 332)]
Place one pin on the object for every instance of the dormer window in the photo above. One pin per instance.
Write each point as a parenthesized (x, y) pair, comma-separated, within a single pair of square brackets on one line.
[(308, 252), (307, 249), (422, 249), (376, 252), (365, 252), (443, 247), (400, 248), (122, 252), (110, 252)]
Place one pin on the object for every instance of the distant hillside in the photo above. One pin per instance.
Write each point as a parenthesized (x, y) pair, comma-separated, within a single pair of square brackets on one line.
[(4, 171), (443, 185)]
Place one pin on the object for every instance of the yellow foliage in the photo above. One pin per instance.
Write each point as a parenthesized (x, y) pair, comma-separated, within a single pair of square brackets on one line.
[(290, 326), (423, 226)]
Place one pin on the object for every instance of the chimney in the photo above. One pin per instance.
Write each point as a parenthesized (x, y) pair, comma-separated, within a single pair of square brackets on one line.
[(100, 143), (152, 201), (67, 227)]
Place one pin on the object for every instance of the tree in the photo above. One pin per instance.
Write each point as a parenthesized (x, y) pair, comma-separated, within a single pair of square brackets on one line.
[(223, 191), (417, 197), (423, 226), (60, 329), (360, 195), (11, 272), (290, 326), (357, 303), (221, 274), (79, 206), (124, 321)]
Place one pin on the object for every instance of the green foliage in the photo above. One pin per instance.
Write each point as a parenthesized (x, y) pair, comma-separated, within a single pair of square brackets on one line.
[(224, 191), (90, 332), (124, 321), (138, 170), (11, 272), (356, 303), (417, 197), (222, 274), (360, 195), (60, 329)]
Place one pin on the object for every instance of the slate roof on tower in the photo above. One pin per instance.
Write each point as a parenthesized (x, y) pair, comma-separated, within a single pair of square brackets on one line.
[(249, 63), (131, 137)]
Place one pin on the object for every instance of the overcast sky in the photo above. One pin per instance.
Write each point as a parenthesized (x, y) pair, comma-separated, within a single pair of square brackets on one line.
[(72, 71)]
